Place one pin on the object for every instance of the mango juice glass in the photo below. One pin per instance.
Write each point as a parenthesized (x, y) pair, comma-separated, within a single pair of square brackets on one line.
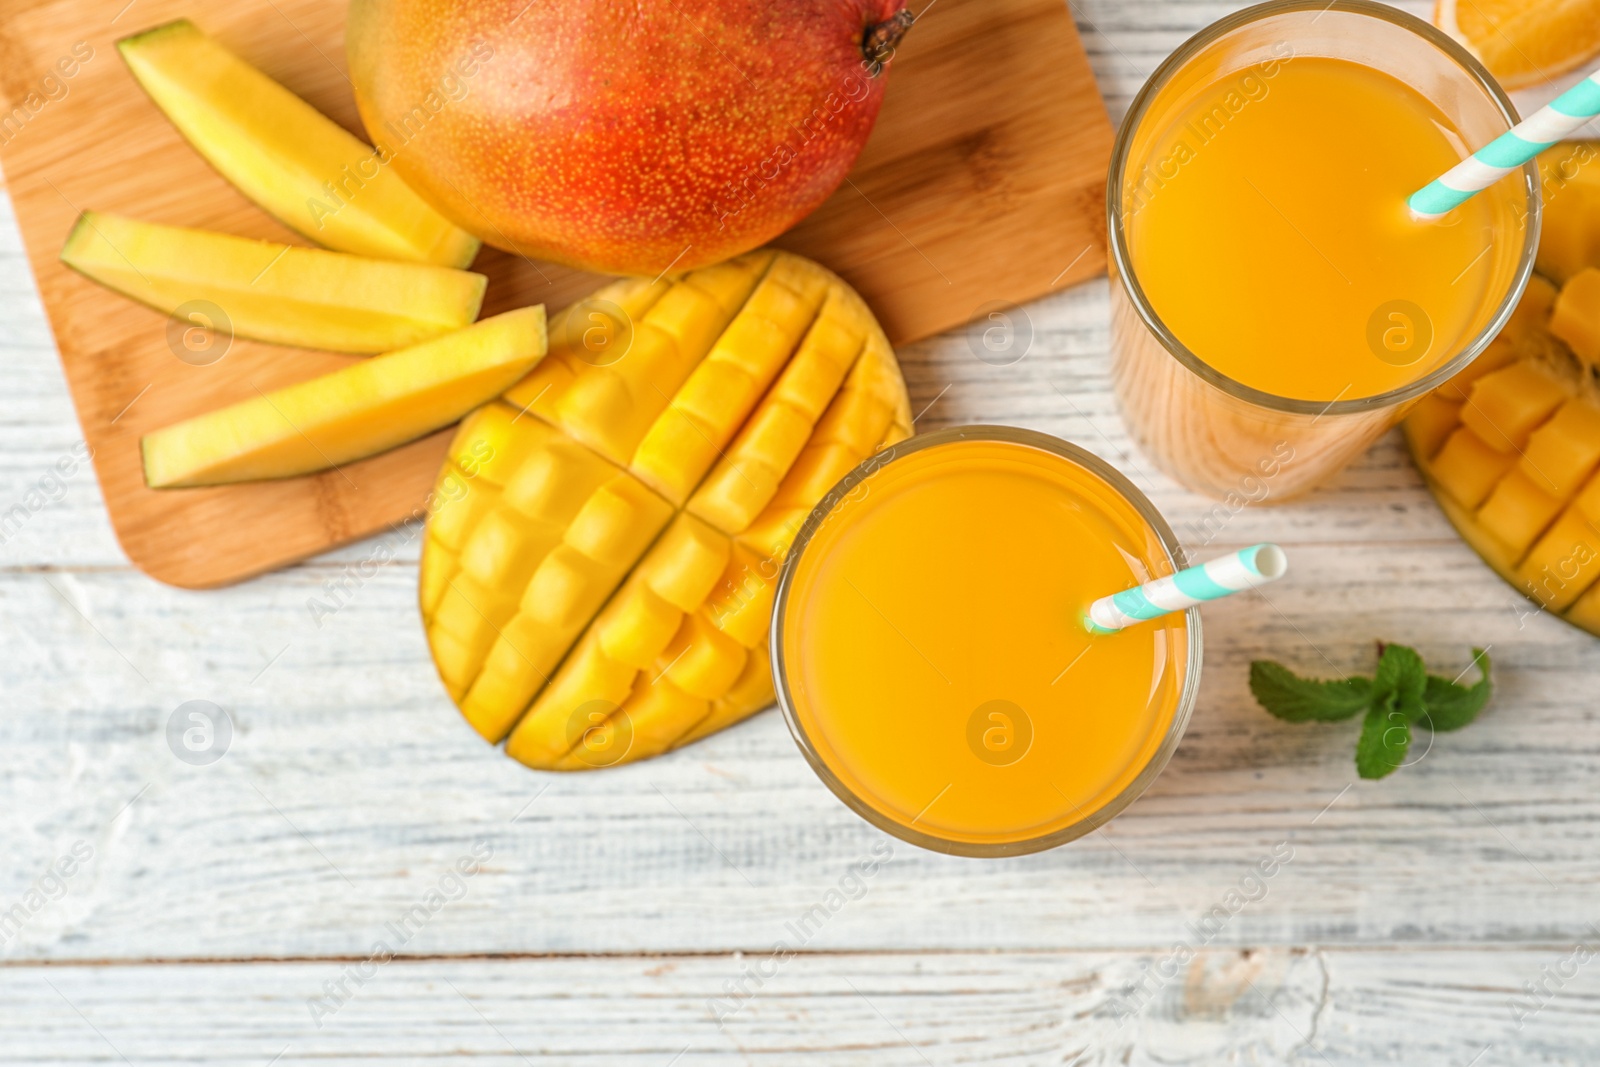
[(1275, 308), (929, 651)]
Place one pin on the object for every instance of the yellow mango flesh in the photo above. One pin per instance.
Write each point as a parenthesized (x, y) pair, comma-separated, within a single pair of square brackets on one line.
[(1564, 451), (306, 297), (1569, 238), (1468, 468), (1504, 407), (1564, 562), (606, 597), (1431, 422), (357, 411), (1512, 448), (1576, 315), (299, 165)]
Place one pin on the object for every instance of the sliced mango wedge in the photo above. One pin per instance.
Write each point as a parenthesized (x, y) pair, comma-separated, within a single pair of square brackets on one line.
[(272, 292), (358, 411), (301, 166)]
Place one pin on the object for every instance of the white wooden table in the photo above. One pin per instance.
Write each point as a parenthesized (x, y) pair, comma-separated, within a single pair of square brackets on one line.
[(229, 913)]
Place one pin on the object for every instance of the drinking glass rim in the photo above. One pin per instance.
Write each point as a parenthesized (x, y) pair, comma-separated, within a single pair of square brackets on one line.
[(1123, 261), (1187, 696)]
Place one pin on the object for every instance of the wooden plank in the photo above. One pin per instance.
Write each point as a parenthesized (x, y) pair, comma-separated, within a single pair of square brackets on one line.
[(351, 784), (1258, 1005), (983, 183)]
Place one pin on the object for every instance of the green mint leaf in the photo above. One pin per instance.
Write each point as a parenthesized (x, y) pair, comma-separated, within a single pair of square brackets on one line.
[(1451, 706), (1400, 682), (1385, 737), (1294, 699)]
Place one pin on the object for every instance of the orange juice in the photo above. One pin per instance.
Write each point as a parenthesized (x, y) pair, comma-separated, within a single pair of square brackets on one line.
[(931, 652), (1275, 307), (1283, 235)]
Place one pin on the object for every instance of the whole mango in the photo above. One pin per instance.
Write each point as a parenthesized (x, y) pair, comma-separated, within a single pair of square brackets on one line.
[(626, 138)]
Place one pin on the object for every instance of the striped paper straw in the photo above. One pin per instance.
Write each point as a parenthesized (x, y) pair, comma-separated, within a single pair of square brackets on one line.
[(1510, 150), (1245, 569)]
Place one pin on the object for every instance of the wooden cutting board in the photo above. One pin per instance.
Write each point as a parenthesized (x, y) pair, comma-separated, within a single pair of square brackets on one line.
[(983, 182)]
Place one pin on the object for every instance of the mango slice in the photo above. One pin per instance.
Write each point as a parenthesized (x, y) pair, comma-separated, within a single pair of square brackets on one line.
[(1511, 447), (305, 297), (358, 411), (303, 168), (604, 594)]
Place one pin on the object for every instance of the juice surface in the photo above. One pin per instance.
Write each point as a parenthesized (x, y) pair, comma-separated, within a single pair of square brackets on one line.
[(1270, 231), (935, 653)]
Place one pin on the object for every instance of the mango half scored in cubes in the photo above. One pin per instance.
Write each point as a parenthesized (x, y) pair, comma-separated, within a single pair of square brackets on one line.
[(598, 581), (1511, 448)]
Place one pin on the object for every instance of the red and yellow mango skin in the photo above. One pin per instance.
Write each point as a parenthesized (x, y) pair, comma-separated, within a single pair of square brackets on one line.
[(622, 137)]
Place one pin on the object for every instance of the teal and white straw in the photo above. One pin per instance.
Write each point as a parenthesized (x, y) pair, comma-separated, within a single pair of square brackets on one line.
[(1510, 150), (1245, 569)]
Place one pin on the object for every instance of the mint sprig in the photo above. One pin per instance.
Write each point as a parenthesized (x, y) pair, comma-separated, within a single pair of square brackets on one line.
[(1400, 696), (1451, 706), (1296, 699)]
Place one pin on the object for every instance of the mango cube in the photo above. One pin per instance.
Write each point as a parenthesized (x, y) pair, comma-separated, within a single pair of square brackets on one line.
[(1532, 316), (1430, 422), (753, 687), (461, 503), (1564, 563), (1467, 468), (684, 564), (1518, 511), (741, 605), (638, 627), (1562, 453), (655, 715), (1588, 500), (1505, 406), (700, 659), (1569, 240), (1576, 316)]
